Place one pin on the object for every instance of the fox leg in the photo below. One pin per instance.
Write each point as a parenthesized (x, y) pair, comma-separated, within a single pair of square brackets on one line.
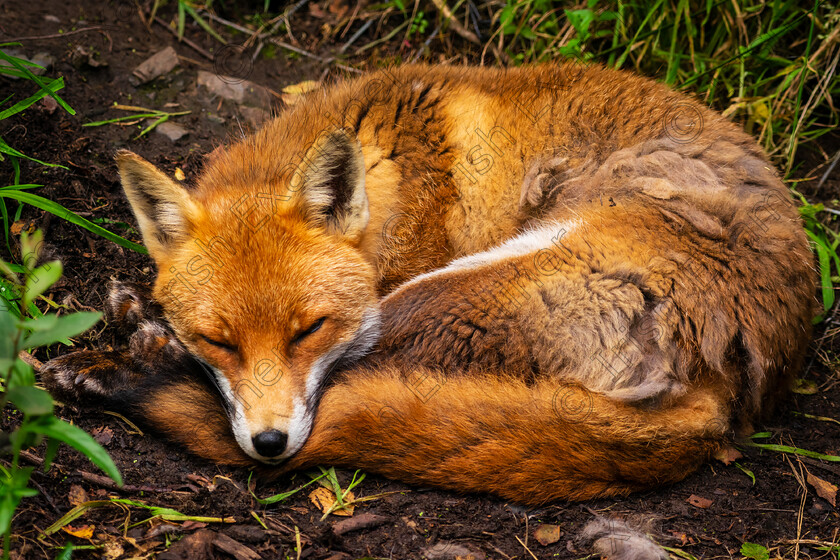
[(154, 381)]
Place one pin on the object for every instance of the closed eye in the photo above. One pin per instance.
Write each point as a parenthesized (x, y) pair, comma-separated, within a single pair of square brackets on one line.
[(218, 344), (311, 329)]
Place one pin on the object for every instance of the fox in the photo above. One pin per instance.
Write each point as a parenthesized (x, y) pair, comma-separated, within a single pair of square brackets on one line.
[(544, 283)]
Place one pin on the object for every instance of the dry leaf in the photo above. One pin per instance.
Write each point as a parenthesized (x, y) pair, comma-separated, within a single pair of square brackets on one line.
[(103, 435), (547, 534), (324, 499), (825, 489), (17, 227), (698, 501), (302, 87), (113, 550), (727, 455), (76, 495), (83, 532), (805, 387), (289, 99), (179, 174)]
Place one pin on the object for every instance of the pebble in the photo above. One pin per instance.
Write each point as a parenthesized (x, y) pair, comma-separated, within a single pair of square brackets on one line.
[(451, 551), (233, 89), (156, 65), (171, 130), (42, 59)]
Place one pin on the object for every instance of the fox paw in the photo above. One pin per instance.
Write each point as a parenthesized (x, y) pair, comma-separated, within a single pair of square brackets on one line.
[(130, 304), (154, 343), (87, 375)]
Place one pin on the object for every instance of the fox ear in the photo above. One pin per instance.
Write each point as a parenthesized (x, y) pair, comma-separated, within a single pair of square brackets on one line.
[(162, 206), (333, 184)]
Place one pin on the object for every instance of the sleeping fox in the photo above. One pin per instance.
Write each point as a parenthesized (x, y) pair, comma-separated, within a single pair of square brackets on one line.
[(554, 282)]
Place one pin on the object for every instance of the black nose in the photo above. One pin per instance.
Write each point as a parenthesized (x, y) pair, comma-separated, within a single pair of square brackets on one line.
[(270, 443)]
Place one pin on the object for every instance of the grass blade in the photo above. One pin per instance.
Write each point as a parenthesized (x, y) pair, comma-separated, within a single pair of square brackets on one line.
[(72, 217)]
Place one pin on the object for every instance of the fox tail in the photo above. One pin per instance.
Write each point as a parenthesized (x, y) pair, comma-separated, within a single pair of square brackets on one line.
[(531, 443)]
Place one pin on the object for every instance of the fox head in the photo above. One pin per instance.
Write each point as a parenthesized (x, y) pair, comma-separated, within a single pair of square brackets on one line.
[(261, 277)]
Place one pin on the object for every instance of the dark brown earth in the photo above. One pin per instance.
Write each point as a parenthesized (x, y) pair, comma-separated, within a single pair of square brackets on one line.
[(774, 511)]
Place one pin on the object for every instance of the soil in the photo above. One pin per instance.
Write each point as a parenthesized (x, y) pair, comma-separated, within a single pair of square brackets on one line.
[(709, 515)]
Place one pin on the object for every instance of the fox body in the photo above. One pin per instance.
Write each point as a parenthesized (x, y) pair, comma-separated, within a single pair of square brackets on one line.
[(554, 282)]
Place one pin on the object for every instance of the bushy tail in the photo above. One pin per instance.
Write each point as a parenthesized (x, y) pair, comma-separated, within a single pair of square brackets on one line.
[(527, 443)]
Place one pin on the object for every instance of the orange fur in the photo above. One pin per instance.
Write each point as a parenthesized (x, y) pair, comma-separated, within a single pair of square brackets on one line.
[(507, 238)]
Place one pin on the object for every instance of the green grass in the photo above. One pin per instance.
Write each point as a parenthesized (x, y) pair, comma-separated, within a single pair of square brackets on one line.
[(17, 191), (19, 332)]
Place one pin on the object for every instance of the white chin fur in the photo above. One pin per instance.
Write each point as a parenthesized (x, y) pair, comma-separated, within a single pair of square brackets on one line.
[(300, 424)]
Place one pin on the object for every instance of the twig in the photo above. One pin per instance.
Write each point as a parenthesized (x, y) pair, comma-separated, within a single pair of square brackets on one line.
[(829, 170), (32, 458), (426, 44), (298, 50), (800, 478), (286, 15), (54, 35), (526, 548), (101, 480), (136, 431), (186, 41), (348, 68), (192, 61), (356, 35), (229, 23), (46, 495), (31, 360), (456, 25)]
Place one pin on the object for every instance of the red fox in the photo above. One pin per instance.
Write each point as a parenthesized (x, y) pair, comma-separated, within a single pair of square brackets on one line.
[(555, 282)]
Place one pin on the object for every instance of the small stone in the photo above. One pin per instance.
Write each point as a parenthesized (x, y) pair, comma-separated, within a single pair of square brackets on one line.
[(51, 18), (234, 89), (156, 65), (49, 104), (451, 551), (43, 59), (171, 130)]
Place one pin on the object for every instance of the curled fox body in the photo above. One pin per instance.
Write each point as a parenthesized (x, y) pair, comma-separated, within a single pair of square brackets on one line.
[(556, 282)]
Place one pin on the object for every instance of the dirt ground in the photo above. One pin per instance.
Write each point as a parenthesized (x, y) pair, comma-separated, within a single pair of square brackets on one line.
[(709, 515)]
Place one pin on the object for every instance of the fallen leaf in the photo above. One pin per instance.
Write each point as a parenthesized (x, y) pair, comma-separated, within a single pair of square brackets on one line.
[(179, 174), (83, 532), (825, 489), (547, 534), (680, 537), (302, 87), (805, 387), (727, 455), (289, 99), (698, 501), (17, 227), (76, 495), (451, 551), (316, 12), (103, 435), (324, 499), (113, 550)]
